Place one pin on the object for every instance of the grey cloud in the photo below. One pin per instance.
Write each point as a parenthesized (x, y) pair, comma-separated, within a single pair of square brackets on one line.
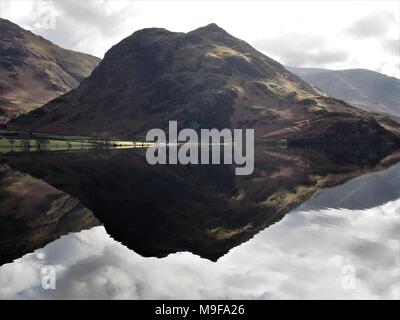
[(328, 220), (94, 14), (297, 50), (394, 232), (90, 23), (374, 253), (392, 46), (374, 25), (105, 265)]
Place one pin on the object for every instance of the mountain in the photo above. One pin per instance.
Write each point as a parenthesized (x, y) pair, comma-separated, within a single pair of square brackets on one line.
[(367, 89), (34, 70), (302, 71), (205, 78)]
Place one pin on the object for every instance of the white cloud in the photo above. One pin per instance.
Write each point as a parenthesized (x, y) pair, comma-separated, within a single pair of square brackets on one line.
[(94, 26), (297, 49)]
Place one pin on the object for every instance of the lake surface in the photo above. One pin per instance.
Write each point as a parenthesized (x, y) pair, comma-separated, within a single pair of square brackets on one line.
[(306, 224)]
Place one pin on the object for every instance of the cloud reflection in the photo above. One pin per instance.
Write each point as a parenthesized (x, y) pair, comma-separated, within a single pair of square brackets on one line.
[(304, 256)]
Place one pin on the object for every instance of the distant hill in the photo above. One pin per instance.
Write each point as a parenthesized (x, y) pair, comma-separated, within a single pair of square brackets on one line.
[(367, 89), (205, 78), (304, 71), (34, 70)]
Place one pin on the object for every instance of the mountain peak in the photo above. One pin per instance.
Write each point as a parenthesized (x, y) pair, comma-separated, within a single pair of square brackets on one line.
[(206, 78), (212, 27)]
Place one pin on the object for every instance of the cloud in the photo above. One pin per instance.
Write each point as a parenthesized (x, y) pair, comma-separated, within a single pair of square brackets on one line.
[(392, 46), (95, 14), (87, 26), (299, 49), (96, 25), (319, 245), (377, 24)]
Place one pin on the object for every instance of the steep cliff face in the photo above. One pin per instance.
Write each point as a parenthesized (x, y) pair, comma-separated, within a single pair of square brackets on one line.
[(34, 70), (203, 79)]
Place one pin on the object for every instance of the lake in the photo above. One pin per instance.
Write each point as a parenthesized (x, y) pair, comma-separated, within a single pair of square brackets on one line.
[(307, 224)]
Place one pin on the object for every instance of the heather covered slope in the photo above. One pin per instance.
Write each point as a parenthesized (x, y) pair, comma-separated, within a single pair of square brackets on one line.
[(34, 70), (203, 79)]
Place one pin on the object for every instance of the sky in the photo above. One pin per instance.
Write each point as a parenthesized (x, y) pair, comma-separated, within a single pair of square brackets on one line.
[(324, 34)]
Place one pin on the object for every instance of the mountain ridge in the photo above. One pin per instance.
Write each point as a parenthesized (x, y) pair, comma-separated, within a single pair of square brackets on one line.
[(205, 78), (35, 70), (367, 89)]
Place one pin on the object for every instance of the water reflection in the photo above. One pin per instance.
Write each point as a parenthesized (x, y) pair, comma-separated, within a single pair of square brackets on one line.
[(363, 192), (34, 213), (159, 210), (307, 255)]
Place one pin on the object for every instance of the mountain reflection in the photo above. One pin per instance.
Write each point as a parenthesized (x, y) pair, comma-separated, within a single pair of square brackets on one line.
[(158, 210)]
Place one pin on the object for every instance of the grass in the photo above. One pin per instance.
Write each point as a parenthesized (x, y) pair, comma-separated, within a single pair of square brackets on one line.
[(10, 145), (20, 142)]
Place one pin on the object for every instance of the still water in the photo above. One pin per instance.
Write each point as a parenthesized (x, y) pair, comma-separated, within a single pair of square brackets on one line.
[(306, 224)]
